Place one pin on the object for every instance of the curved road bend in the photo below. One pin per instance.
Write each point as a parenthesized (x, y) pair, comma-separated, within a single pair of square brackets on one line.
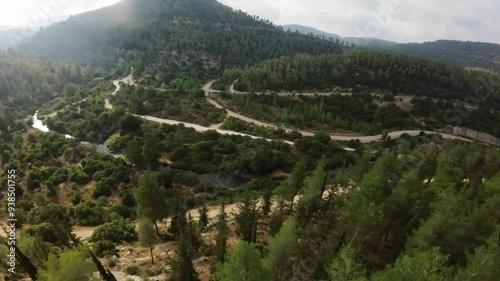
[(362, 139), (208, 91)]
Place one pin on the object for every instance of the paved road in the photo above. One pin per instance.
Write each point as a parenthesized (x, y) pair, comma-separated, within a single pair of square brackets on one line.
[(232, 90), (362, 139), (209, 92)]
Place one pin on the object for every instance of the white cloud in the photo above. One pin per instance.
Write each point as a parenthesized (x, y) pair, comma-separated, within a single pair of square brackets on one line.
[(34, 13), (419, 20)]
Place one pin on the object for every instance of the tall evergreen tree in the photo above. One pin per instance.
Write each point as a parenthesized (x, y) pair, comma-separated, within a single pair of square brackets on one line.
[(267, 201), (147, 235), (183, 268), (151, 199), (291, 186), (247, 220), (203, 216), (222, 235), (243, 264), (282, 249)]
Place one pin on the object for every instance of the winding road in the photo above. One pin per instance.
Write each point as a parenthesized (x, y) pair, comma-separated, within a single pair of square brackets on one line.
[(209, 93), (363, 139)]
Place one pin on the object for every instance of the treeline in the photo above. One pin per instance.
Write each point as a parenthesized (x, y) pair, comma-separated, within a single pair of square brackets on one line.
[(163, 39), (26, 84), (408, 213), (364, 71), (447, 88), (181, 100), (413, 209), (463, 53)]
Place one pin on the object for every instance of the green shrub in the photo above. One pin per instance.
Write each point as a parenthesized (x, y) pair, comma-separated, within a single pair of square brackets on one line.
[(116, 231), (104, 248)]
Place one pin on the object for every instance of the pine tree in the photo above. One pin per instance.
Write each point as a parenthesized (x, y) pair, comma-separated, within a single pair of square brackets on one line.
[(203, 216), (291, 186), (147, 235), (151, 200), (183, 268), (151, 149), (345, 267), (267, 201), (282, 248), (243, 264), (313, 190), (222, 235), (247, 219)]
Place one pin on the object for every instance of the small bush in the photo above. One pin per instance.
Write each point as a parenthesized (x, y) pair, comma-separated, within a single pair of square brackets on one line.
[(116, 231), (105, 248)]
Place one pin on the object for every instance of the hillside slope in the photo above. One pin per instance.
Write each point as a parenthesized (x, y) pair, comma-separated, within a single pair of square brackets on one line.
[(462, 53), (359, 41), (165, 38), (468, 54)]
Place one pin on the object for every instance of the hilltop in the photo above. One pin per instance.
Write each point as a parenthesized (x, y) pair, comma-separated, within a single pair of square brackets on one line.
[(164, 38)]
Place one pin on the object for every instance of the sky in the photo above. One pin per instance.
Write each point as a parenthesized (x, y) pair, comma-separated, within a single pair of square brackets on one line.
[(395, 20), (36, 13)]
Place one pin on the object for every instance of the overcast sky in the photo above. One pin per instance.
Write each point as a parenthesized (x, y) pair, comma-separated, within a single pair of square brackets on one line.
[(396, 20)]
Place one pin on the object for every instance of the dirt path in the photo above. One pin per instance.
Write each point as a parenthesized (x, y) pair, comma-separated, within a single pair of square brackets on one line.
[(129, 80)]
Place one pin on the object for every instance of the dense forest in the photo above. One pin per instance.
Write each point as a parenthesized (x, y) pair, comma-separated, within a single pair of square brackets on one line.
[(163, 39), (418, 206), (106, 195), (462, 53), (441, 90), (482, 55)]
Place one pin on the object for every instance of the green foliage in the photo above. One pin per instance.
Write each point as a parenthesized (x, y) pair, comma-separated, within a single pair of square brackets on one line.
[(222, 235), (346, 267), (359, 73), (74, 264), (104, 248), (243, 264), (247, 219), (209, 38), (151, 198), (282, 249), (463, 53), (423, 266), (313, 189), (484, 263), (203, 221), (88, 214), (291, 186), (117, 231), (147, 235)]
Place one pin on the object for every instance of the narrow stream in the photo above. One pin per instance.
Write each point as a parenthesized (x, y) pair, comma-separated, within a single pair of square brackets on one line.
[(215, 178)]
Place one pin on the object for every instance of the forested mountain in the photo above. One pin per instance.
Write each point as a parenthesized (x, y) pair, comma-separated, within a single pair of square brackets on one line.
[(441, 89), (26, 84), (308, 30), (470, 54), (359, 41), (462, 53), (163, 38)]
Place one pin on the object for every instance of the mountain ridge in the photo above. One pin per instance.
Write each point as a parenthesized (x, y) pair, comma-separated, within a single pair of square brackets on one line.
[(462, 53), (167, 38)]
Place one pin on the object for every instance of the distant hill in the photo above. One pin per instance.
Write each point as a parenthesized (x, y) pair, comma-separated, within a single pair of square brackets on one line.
[(163, 39), (469, 54), (462, 53), (361, 41), (311, 30)]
